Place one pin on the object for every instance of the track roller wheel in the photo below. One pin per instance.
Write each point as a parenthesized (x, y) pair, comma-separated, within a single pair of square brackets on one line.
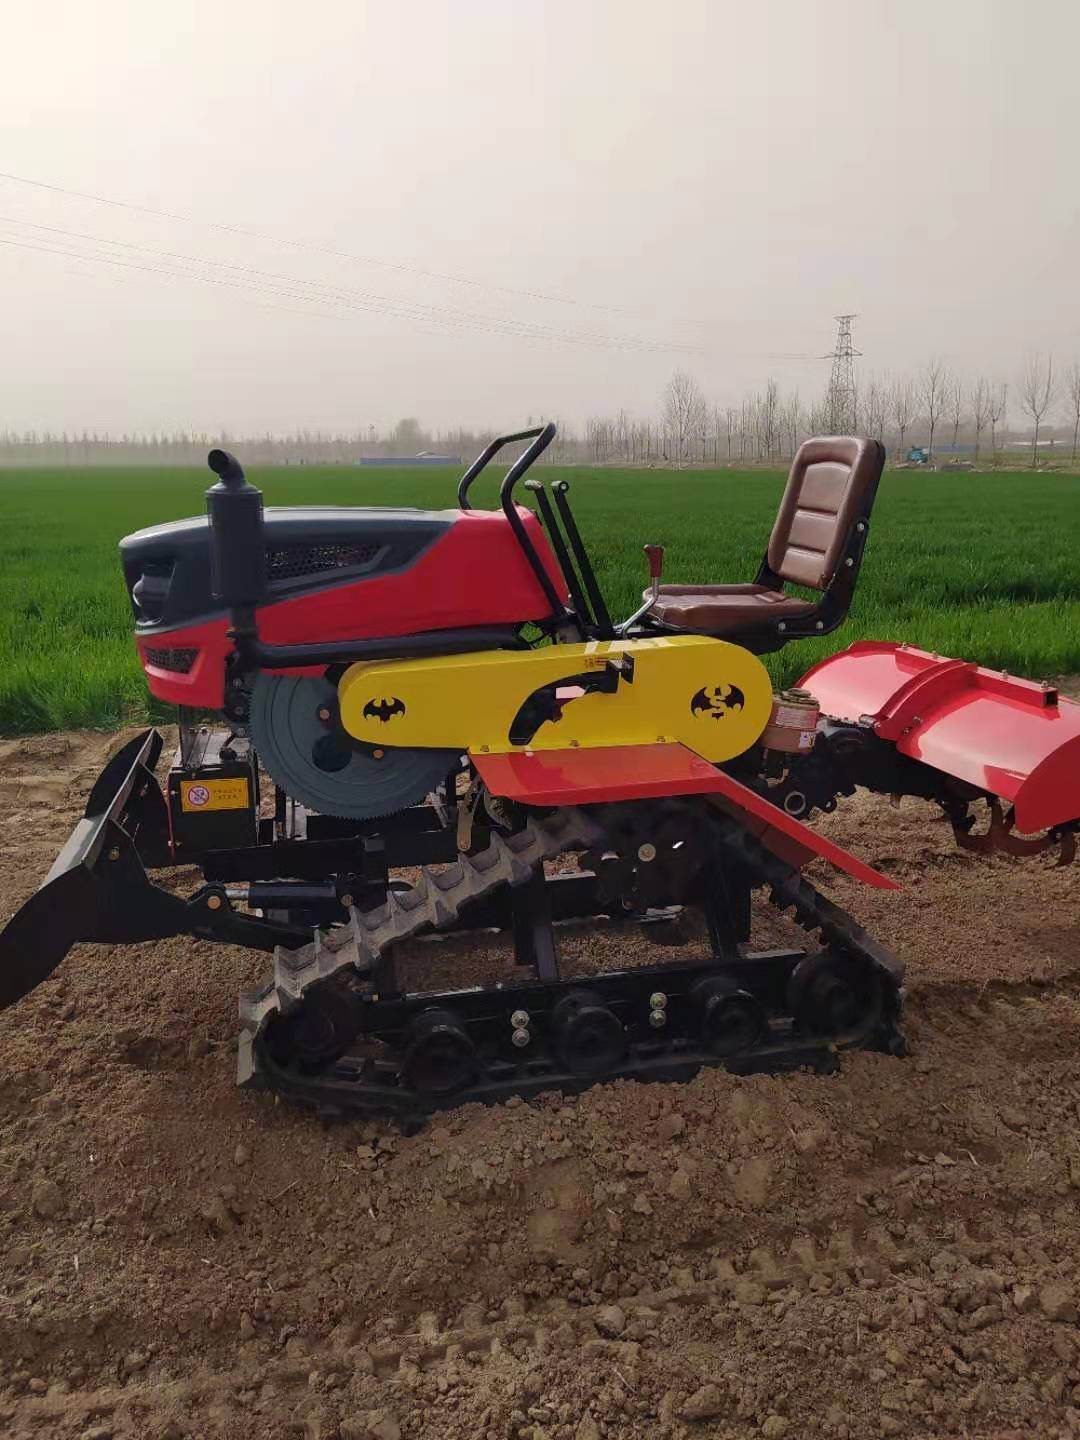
[(731, 1020), (440, 1057), (315, 1034), (589, 1038), (832, 995)]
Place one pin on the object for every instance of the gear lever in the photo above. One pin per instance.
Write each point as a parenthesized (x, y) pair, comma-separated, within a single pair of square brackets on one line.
[(655, 557)]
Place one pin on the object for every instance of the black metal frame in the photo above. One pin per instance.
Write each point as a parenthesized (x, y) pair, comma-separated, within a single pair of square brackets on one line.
[(100, 890), (589, 607)]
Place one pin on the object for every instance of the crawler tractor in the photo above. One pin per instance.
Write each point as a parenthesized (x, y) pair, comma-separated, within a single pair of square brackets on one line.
[(415, 714)]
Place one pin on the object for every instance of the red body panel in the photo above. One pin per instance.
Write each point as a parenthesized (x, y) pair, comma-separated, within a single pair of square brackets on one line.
[(1012, 737), (474, 575), (642, 772)]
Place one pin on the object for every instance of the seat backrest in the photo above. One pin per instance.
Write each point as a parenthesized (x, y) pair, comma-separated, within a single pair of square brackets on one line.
[(832, 485)]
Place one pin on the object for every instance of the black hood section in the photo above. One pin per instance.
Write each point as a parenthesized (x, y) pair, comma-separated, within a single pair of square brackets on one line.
[(167, 567)]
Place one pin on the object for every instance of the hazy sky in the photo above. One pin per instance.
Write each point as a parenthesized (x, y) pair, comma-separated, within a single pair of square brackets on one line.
[(579, 196)]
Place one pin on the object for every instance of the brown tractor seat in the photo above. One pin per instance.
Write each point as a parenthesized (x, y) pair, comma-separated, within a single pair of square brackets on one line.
[(817, 541), (720, 608)]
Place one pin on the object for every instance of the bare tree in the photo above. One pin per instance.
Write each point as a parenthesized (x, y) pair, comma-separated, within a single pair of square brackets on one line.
[(934, 388), (597, 438), (956, 409), (684, 412), (981, 408), (622, 435), (901, 408), (1072, 391), (999, 400), (790, 419), (875, 402), (731, 429), (768, 418), (1037, 391), (746, 422)]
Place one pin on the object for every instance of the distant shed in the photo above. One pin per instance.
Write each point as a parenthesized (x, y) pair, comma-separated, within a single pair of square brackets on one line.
[(424, 458)]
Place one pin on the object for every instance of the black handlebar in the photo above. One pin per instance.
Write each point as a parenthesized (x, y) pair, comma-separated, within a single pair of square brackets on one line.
[(541, 438), (526, 459), (544, 437), (490, 451)]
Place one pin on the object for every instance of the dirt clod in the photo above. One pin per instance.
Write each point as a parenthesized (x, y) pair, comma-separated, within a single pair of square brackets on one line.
[(1057, 1303), (706, 1403), (610, 1320), (47, 1199)]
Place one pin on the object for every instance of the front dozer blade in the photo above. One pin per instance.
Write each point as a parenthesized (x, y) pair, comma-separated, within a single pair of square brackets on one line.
[(1015, 739), (97, 888)]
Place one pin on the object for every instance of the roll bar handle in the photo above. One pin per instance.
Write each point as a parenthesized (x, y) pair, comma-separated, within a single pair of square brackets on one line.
[(541, 437)]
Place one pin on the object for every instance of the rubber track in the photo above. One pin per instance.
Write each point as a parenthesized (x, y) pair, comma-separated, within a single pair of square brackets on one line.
[(436, 900), (439, 895), (812, 911)]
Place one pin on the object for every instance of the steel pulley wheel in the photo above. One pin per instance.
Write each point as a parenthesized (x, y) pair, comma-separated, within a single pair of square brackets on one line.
[(832, 995), (295, 738), (589, 1038)]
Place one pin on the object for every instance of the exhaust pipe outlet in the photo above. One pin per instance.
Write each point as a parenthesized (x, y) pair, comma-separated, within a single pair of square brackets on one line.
[(237, 547)]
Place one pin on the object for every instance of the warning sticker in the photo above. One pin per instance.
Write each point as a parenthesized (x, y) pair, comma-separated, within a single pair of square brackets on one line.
[(214, 794)]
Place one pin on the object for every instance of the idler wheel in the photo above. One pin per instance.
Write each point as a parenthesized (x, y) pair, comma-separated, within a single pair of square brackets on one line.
[(831, 995), (730, 1019), (319, 1031), (589, 1038), (440, 1057)]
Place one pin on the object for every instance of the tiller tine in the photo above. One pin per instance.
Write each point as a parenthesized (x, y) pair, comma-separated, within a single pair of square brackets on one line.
[(1000, 837), (97, 888)]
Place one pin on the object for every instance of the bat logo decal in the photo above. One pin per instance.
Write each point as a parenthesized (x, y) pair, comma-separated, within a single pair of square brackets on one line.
[(384, 709), (717, 700)]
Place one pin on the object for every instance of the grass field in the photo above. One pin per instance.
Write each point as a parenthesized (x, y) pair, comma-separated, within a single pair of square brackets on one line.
[(982, 566)]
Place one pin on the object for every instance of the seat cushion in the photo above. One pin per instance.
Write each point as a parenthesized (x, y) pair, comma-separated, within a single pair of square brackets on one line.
[(724, 609)]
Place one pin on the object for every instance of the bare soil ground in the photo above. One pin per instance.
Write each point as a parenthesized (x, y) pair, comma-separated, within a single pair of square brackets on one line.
[(893, 1250)]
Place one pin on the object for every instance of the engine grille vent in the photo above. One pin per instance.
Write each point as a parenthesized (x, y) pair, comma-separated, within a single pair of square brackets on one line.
[(292, 562), (179, 661)]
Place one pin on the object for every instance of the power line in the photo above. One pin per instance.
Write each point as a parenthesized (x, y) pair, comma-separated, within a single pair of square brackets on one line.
[(316, 249), (444, 318)]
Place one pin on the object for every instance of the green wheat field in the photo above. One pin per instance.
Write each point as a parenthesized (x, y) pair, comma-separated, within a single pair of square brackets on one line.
[(986, 567)]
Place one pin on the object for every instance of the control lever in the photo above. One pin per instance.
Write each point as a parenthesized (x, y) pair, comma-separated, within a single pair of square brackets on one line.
[(655, 556)]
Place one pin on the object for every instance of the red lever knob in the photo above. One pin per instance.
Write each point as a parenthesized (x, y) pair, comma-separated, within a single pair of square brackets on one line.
[(655, 554)]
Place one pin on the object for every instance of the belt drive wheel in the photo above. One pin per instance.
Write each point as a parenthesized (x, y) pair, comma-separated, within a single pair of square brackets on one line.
[(320, 769)]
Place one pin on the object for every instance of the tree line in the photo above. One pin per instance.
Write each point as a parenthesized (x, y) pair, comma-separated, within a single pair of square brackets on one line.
[(934, 408)]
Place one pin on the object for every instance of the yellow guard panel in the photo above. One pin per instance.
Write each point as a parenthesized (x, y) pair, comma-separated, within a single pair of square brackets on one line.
[(712, 696)]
